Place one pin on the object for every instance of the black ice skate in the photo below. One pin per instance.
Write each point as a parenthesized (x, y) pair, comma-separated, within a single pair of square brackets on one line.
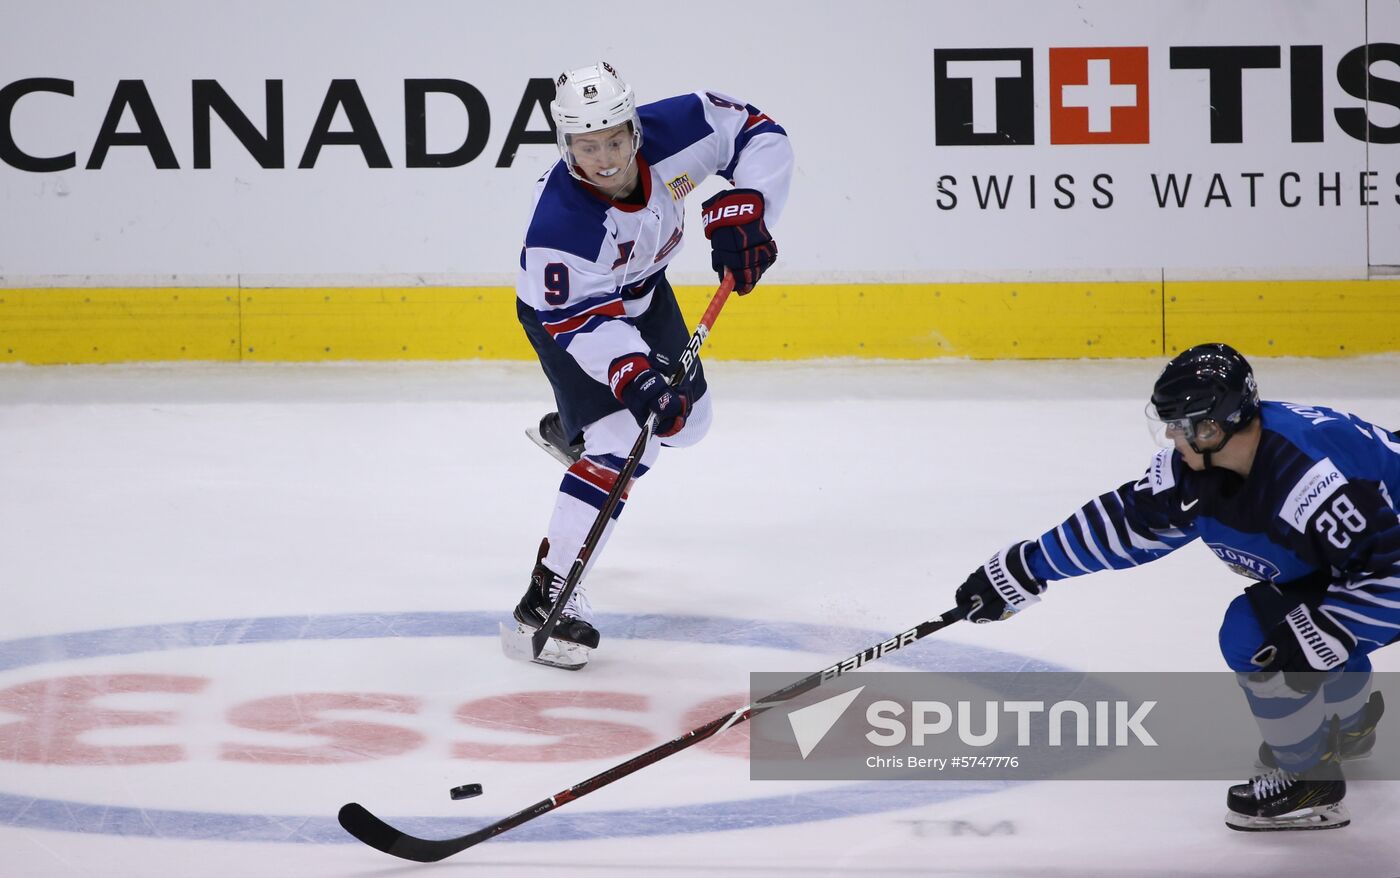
[(1282, 800), (549, 435), (1356, 744), (572, 639)]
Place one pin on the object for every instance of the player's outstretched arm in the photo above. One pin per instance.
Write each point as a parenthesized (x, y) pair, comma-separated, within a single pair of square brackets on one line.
[(1136, 523)]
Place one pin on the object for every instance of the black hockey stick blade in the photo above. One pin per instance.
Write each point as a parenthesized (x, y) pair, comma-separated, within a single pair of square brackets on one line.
[(381, 836), (359, 822)]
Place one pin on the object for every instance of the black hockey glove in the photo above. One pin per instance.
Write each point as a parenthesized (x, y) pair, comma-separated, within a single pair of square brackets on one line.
[(1307, 643), (644, 390), (1000, 588), (739, 239)]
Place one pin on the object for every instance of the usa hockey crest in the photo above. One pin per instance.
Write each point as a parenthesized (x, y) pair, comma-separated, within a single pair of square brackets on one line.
[(680, 186)]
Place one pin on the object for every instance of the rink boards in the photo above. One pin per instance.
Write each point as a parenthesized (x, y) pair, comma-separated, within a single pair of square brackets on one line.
[(786, 322)]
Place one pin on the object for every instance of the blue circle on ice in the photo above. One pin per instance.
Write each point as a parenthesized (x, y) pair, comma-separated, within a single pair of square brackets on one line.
[(822, 804)]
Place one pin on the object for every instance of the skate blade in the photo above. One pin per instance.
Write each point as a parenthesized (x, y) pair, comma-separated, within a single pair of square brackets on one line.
[(517, 643), (1327, 817), (535, 437)]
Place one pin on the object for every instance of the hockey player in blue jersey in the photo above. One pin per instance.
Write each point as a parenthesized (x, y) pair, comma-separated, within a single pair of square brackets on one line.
[(1300, 499), (593, 296)]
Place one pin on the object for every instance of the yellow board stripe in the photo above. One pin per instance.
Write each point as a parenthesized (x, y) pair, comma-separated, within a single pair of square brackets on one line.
[(785, 322), (1287, 318), (113, 325), (917, 321), (389, 323)]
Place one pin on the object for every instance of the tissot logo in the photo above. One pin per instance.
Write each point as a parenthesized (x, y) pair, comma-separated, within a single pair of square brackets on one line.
[(986, 96)]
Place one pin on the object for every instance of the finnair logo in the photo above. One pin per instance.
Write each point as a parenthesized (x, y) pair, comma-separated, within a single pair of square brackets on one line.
[(810, 724), (1312, 490)]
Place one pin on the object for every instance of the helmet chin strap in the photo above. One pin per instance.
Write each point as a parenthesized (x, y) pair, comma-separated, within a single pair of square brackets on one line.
[(1205, 455)]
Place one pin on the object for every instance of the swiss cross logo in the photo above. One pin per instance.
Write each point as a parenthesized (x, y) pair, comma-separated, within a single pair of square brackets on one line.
[(1099, 95)]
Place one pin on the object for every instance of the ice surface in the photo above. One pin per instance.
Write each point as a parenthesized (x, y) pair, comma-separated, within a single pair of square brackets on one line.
[(241, 596)]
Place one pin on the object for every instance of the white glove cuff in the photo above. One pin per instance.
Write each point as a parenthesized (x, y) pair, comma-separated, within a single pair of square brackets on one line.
[(1016, 595), (1322, 650)]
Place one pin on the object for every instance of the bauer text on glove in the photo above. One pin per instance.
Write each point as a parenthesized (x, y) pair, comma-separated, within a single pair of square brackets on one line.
[(644, 390), (739, 239)]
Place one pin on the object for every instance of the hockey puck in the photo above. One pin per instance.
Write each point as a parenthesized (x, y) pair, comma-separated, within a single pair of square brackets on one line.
[(466, 791)]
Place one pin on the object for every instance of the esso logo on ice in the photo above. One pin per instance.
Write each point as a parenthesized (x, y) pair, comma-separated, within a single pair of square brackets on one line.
[(250, 708), (61, 721)]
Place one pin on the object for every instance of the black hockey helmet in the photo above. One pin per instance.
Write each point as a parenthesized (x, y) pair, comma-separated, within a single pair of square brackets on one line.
[(1206, 392)]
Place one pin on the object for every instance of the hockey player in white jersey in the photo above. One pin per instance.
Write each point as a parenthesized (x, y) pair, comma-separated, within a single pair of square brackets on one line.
[(593, 297), (1298, 498)]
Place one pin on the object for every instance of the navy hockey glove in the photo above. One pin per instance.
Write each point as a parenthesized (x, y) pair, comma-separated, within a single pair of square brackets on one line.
[(739, 239), (1306, 643), (1001, 587), (644, 391)]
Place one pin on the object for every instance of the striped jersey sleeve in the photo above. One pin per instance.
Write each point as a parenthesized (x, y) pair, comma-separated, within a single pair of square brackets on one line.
[(1131, 525)]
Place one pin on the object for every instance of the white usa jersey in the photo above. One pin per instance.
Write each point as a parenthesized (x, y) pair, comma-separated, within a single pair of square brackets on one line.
[(589, 264)]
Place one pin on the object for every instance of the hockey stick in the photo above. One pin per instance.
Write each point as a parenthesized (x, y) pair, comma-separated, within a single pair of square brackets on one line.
[(359, 822), (595, 533)]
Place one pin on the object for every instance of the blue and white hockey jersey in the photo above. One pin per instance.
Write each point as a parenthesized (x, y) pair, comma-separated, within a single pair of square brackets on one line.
[(589, 264), (1317, 511)]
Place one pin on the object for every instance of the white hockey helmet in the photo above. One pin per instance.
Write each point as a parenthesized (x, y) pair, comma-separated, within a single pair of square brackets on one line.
[(590, 99)]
